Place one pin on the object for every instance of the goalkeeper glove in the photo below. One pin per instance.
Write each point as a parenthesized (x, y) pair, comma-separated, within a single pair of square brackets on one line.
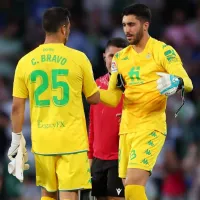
[(120, 82), (169, 84), (14, 147), (19, 159)]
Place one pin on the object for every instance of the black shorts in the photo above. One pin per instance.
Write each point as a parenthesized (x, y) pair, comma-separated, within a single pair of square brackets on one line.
[(105, 180)]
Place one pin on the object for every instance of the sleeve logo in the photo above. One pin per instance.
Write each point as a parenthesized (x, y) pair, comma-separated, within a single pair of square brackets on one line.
[(171, 56), (113, 66)]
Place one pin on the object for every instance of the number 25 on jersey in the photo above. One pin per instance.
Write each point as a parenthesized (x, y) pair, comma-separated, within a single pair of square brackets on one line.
[(55, 73)]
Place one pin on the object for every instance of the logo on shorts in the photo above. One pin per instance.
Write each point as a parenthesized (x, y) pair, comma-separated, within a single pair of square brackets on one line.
[(133, 155), (145, 161), (150, 143), (148, 152), (153, 134), (118, 191)]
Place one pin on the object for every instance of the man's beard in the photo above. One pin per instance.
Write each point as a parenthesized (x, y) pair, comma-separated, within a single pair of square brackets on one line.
[(138, 37)]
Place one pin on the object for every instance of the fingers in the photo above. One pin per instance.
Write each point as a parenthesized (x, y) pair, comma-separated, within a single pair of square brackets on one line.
[(26, 166), (10, 158), (12, 155), (26, 156)]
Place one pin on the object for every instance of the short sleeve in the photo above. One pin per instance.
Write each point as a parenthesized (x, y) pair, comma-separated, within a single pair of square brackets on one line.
[(19, 85), (89, 84)]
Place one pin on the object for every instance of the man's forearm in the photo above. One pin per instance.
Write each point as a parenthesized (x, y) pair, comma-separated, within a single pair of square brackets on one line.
[(110, 97), (17, 115), (187, 84), (179, 71), (17, 119)]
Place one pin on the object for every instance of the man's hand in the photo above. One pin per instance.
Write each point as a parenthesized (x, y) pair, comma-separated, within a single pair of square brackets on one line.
[(90, 162), (120, 82), (12, 152), (119, 116), (168, 84)]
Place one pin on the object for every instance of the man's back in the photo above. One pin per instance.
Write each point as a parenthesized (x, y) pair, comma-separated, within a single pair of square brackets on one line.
[(54, 76)]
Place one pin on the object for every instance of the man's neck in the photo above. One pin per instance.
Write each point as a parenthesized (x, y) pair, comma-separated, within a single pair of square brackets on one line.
[(142, 44), (52, 39)]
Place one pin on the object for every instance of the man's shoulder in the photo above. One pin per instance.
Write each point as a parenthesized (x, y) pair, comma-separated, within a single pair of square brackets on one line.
[(123, 54), (28, 55), (75, 53), (160, 46), (157, 44)]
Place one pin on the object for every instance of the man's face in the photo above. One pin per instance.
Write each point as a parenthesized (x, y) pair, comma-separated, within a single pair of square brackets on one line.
[(108, 55), (133, 29)]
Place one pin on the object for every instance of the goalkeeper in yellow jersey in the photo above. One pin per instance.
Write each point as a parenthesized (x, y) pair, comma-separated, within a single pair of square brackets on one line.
[(53, 77), (150, 71)]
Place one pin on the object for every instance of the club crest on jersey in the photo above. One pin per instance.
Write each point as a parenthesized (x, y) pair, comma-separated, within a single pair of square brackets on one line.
[(113, 66), (134, 76)]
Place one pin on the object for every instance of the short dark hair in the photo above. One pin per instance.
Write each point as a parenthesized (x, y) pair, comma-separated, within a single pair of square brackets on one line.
[(141, 11), (54, 18), (117, 42)]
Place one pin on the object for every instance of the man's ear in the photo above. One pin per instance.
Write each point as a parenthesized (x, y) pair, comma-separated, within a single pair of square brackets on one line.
[(68, 27), (146, 26), (63, 30), (104, 57)]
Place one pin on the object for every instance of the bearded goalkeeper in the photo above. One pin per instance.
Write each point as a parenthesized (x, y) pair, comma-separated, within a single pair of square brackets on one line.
[(149, 70)]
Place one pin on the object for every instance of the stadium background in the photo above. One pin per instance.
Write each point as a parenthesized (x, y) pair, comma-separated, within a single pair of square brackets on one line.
[(177, 22)]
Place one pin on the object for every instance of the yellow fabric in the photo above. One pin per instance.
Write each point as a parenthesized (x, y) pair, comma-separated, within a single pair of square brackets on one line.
[(47, 198), (53, 76), (144, 107), (67, 172), (135, 192), (113, 97), (139, 150)]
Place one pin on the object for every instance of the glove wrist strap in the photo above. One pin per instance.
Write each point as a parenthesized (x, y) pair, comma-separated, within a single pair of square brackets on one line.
[(16, 137), (181, 83)]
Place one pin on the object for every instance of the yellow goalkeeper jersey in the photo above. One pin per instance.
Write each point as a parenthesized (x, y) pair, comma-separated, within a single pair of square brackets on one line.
[(144, 107), (53, 77)]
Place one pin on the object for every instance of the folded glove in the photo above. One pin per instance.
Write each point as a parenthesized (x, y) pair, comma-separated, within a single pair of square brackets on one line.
[(120, 82), (12, 152), (18, 158), (168, 84)]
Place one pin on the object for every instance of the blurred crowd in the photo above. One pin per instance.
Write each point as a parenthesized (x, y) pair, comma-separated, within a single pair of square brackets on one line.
[(176, 175)]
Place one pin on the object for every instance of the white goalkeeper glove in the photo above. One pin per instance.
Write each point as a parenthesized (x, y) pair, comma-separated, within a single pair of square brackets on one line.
[(168, 84), (14, 147), (18, 155)]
